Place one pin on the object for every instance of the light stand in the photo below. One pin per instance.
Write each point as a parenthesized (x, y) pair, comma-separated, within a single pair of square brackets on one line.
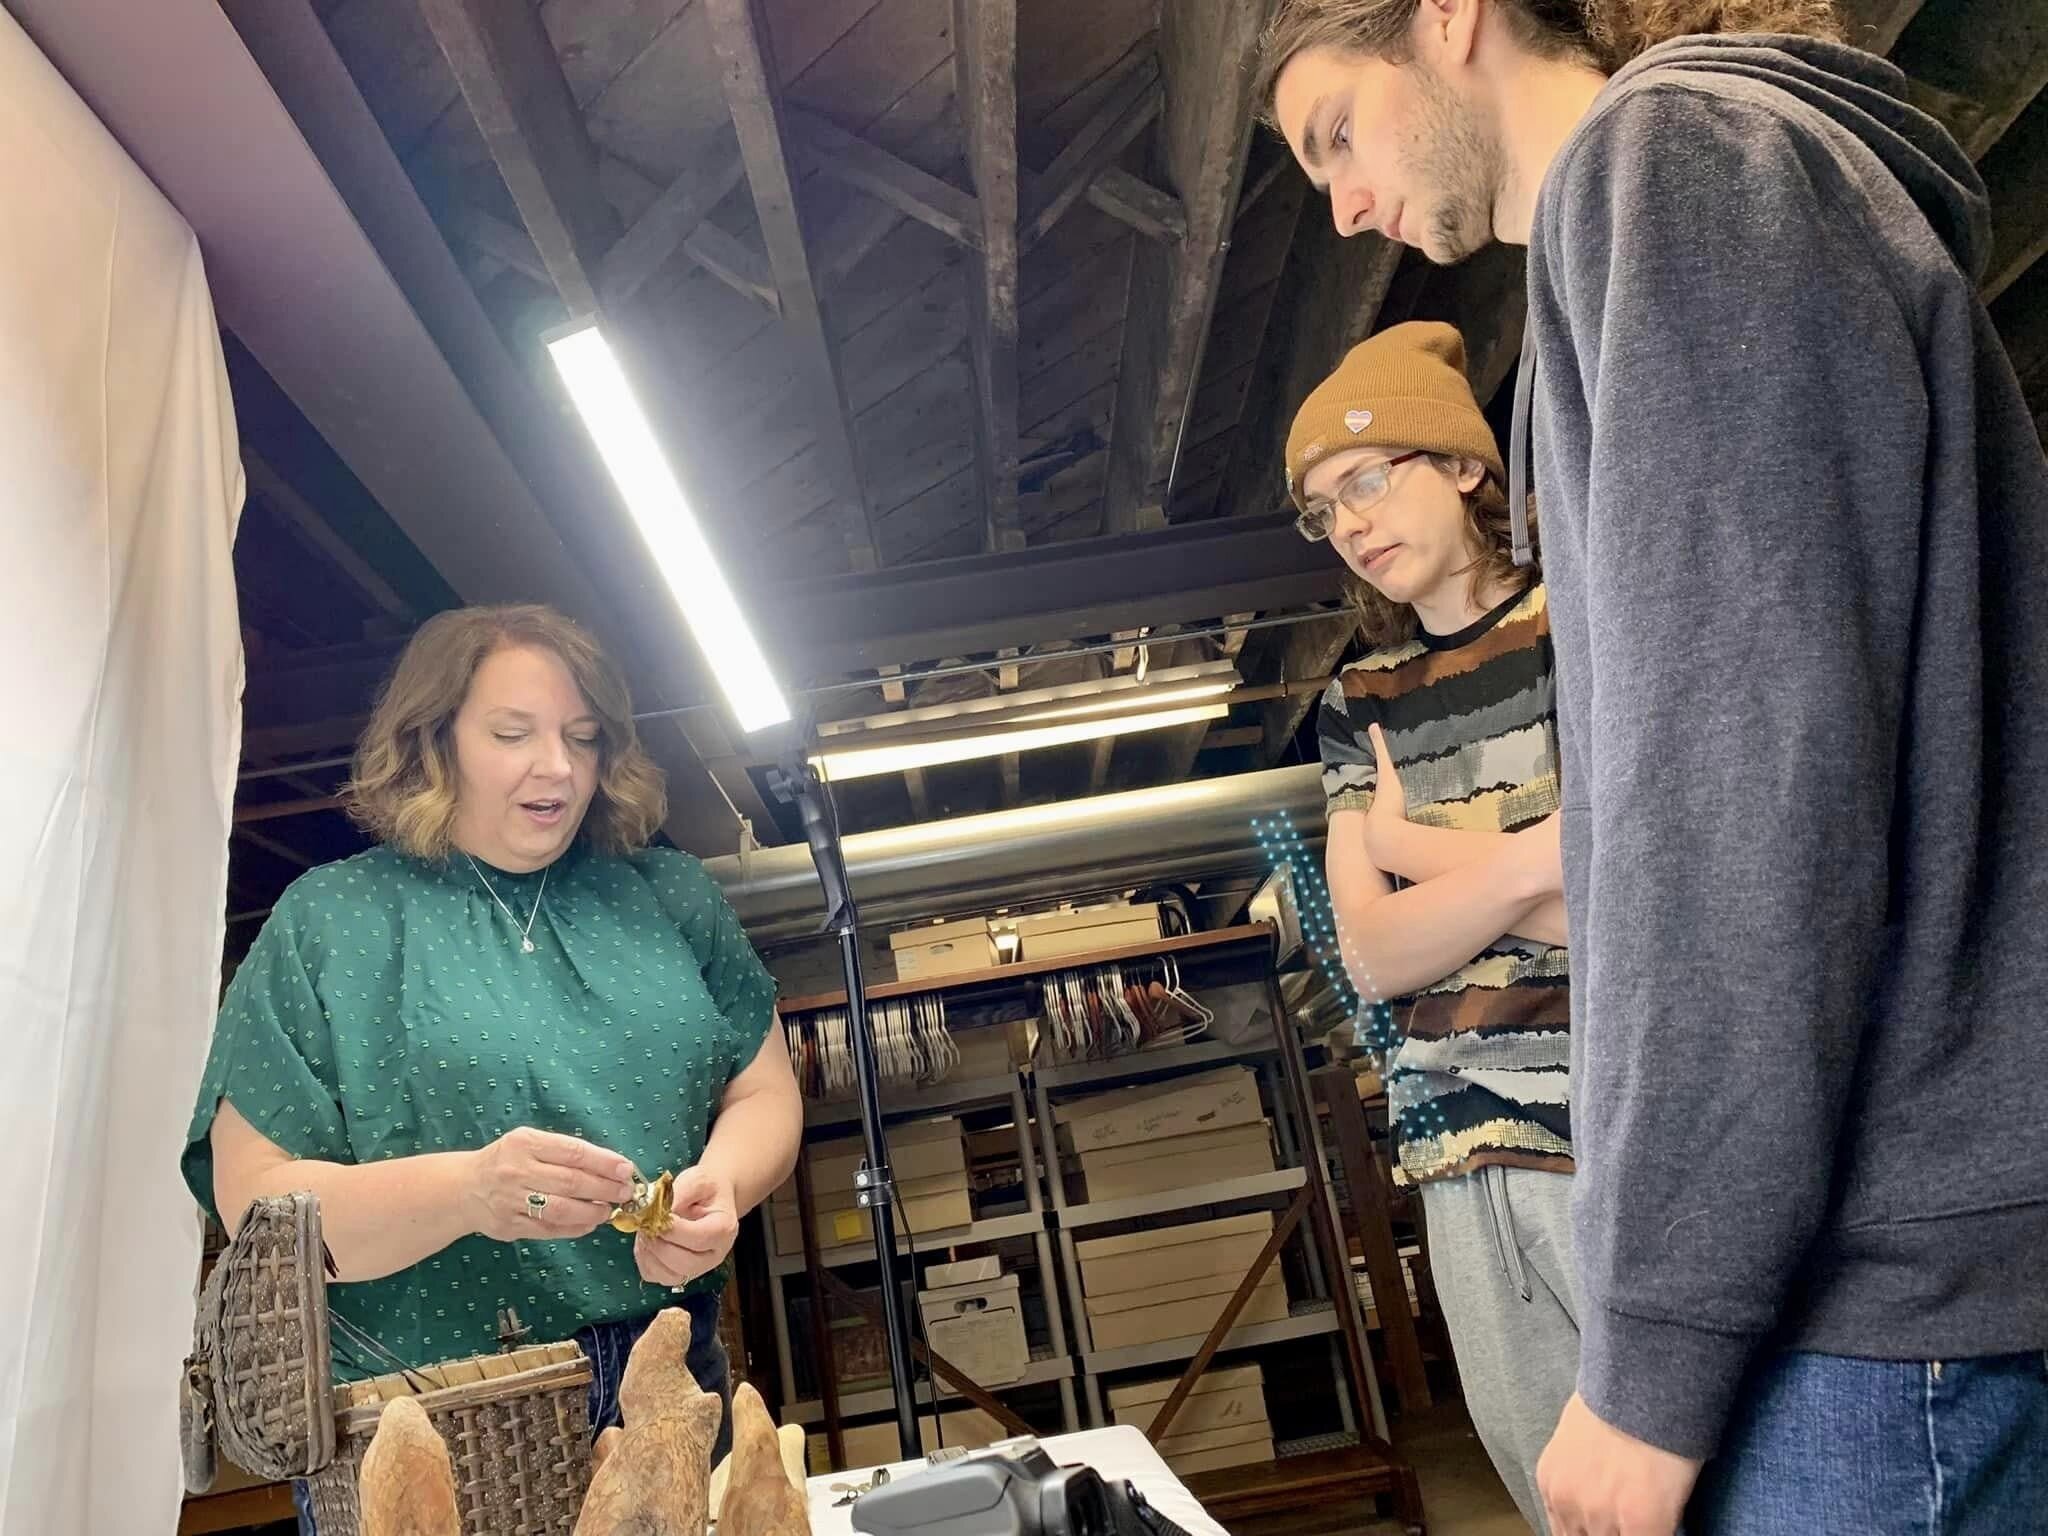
[(873, 1186)]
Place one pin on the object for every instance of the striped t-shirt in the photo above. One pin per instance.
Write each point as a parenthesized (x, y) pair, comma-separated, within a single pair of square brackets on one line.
[(1480, 1068)]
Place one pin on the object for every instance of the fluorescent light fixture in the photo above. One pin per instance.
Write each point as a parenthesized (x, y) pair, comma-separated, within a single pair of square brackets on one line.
[(1122, 694), (1111, 704), (626, 442), (866, 762)]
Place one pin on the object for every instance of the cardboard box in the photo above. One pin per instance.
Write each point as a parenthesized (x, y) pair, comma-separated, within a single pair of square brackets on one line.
[(1154, 1111), (918, 1149), (943, 949), (1215, 1440), (1140, 1260), (1178, 1162), (1252, 1454), (980, 1328), (989, 1050), (938, 1277), (1169, 1290), (1053, 935), (844, 1197), (1139, 1394), (1223, 1403), (838, 1229), (1202, 1414), (1189, 1319)]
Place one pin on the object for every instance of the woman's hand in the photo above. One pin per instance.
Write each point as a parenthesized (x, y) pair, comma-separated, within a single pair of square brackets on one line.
[(707, 1221), (581, 1183), (1388, 814)]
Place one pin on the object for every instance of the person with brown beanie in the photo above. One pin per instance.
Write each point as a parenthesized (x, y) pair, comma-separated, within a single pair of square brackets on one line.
[(1440, 768)]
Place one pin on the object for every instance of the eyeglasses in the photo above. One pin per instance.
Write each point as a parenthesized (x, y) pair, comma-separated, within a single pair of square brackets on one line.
[(1361, 493)]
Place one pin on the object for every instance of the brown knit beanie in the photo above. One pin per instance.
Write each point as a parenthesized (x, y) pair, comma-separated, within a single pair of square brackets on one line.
[(1400, 389)]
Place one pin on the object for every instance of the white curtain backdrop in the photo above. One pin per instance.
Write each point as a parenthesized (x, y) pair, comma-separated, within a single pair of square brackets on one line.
[(120, 720)]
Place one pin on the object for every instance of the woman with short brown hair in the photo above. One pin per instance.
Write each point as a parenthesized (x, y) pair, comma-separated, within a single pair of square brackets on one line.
[(466, 1040)]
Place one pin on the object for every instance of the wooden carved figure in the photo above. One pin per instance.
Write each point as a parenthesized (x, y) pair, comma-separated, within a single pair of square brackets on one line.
[(760, 1500), (653, 1477), (408, 1483)]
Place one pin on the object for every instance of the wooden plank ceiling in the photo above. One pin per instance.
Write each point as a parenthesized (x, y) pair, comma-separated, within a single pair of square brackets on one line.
[(905, 281)]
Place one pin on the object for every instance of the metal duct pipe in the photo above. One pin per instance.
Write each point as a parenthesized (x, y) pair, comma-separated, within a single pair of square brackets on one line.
[(1038, 853)]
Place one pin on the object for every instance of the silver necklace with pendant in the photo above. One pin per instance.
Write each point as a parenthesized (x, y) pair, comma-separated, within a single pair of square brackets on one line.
[(525, 933)]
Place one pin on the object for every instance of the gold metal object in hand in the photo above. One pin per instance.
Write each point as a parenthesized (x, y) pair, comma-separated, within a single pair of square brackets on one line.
[(651, 1208)]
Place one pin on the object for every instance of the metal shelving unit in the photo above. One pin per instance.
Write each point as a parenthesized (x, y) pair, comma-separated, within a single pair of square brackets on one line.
[(1056, 1367), (1316, 1316), (1102, 1213), (1045, 1368), (1308, 1320), (1232, 956), (994, 1230)]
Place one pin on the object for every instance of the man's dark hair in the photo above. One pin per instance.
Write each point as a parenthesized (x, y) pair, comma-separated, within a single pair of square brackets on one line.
[(1603, 33)]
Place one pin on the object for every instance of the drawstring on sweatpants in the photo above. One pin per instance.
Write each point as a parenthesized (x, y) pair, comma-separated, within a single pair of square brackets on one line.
[(1505, 1248)]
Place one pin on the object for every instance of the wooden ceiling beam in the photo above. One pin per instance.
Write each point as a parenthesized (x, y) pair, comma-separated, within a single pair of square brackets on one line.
[(505, 64), (294, 739), (1129, 108), (283, 498), (1155, 214), (853, 239), (848, 158), (1976, 66), (273, 847), (1312, 650), (742, 44), (726, 257), (492, 236), (669, 223), (277, 810), (985, 84), (1102, 751), (741, 266), (920, 794), (1205, 53), (1266, 180), (2021, 315), (1010, 766), (1227, 737), (1328, 299), (2016, 175), (1182, 744)]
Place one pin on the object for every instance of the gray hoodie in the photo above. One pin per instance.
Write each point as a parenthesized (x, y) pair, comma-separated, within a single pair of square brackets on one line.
[(1795, 527)]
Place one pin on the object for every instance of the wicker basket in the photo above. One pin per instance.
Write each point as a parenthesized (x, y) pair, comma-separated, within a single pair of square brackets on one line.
[(262, 1317), (260, 1378), (517, 1428)]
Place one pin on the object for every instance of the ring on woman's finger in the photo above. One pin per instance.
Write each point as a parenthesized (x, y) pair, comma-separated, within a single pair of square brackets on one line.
[(536, 1203)]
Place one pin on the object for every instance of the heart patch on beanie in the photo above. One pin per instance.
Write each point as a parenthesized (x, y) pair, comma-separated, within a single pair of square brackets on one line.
[(1357, 421)]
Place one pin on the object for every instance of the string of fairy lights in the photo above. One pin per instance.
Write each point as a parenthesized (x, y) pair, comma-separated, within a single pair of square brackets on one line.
[(1372, 1019)]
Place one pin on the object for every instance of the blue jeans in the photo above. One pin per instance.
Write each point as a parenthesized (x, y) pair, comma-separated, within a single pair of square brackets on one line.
[(608, 1345), (1823, 1443)]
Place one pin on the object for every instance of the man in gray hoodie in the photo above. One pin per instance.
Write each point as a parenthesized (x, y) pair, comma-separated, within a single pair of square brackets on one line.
[(1795, 514)]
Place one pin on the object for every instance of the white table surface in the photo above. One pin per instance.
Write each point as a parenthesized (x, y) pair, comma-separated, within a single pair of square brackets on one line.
[(1122, 1452)]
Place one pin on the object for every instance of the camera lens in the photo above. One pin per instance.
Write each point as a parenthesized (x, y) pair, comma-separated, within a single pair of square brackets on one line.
[(1087, 1507)]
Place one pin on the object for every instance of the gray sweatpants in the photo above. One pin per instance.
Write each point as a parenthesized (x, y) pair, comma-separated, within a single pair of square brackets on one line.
[(1500, 1247)]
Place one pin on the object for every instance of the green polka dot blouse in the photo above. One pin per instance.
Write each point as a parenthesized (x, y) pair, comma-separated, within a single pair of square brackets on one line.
[(386, 1009)]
